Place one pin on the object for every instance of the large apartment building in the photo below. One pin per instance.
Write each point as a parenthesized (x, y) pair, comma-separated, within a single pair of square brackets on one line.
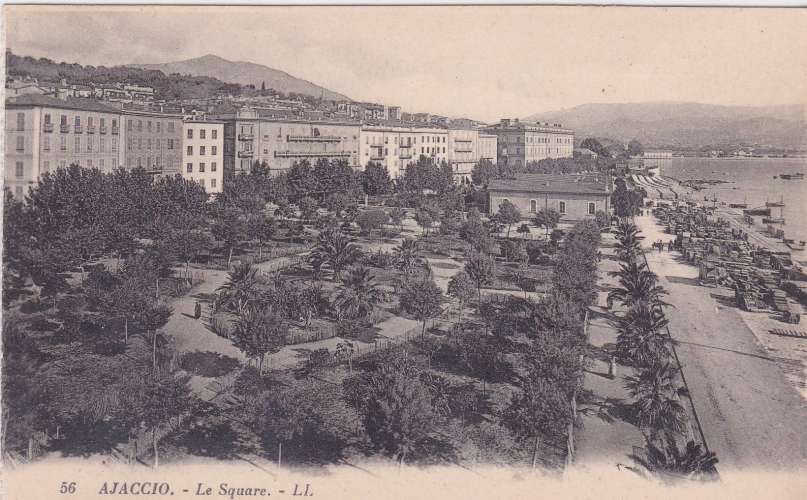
[(395, 145), (519, 143), (281, 140), (203, 153), (151, 140), (44, 133)]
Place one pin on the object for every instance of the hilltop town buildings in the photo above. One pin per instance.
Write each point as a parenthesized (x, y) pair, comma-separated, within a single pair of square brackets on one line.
[(574, 197)]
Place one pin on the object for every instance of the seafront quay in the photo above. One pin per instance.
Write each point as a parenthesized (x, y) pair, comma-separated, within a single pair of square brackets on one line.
[(750, 411)]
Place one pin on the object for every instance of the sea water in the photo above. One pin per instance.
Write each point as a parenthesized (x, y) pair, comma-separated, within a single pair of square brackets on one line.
[(750, 181)]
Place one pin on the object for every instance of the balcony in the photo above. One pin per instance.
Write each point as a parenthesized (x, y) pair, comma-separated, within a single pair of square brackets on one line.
[(245, 137), (102, 129), (376, 157), (463, 150), (405, 146), (90, 129), (312, 154), (313, 138), (77, 129), (115, 130), (47, 127), (245, 154), (64, 128), (463, 140), (405, 156)]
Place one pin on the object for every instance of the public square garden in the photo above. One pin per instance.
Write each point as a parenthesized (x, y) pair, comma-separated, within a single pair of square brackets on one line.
[(320, 316)]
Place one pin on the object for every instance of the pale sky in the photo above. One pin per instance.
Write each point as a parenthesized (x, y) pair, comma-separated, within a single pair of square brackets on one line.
[(479, 62)]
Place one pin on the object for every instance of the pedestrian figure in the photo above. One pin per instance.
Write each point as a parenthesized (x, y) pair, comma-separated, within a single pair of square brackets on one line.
[(197, 310), (612, 367)]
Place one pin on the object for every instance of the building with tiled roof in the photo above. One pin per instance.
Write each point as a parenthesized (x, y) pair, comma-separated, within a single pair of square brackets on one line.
[(573, 196)]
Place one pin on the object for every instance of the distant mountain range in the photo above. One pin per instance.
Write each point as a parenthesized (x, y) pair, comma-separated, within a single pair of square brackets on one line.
[(686, 125), (244, 73)]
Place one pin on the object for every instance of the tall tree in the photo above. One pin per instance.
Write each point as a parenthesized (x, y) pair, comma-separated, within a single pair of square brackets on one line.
[(508, 215), (360, 295), (422, 299), (479, 268)]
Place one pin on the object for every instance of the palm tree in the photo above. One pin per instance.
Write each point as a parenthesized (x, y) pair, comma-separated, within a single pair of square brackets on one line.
[(360, 295), (641, 339), (240, 288), (668, 462), (638, 287), (657, 403), (628, 240), (335, 250), (407, 256)]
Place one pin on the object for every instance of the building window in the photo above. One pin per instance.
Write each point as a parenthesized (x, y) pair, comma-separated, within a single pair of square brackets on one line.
[(189, 168), (190, 133), (46, 143), (47, 118), (213, 167), (78, 121), (159, 127), (89, 143), (63, 143), (213, 150), (20, 121), (201, 150), (139, 143), (77, 145), (201, 168), (202, 133), (20, 144), (562, 207), (129, 126), (213, 181), (148, 142), (591, 208), (170, 126), (214, 134), (170, 144), (139, 125), (190, 150), (114, 144), (533, 206), (19, 170), (202, 182)]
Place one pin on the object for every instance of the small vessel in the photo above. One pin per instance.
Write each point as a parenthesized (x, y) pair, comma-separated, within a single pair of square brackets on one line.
[(779, 204), (792, 177), (773, 220), (794, 245), (757, 211)]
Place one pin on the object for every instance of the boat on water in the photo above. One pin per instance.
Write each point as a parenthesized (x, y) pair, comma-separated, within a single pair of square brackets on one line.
[(794, 245), (792, 177), (779, 204), (757, 211), (773, 220)]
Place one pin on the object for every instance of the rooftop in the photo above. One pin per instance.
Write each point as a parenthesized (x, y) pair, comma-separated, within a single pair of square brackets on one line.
[(76, 103), (553, 183)]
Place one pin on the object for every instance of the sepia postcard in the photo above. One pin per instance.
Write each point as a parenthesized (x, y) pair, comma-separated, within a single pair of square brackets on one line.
[(354, 252)]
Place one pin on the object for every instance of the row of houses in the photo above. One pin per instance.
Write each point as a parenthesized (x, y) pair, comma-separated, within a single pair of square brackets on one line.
[(44, 133)]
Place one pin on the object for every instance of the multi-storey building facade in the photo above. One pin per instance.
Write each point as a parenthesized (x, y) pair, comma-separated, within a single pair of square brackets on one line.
[(519, 143), (151, 140), (203, 153), (487, 147), (463, 151), (44, 133), (282, 140), (395, 145)]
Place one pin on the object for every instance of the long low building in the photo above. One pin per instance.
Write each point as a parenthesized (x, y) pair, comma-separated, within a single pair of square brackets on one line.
[(573, 196), (520, 143)]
